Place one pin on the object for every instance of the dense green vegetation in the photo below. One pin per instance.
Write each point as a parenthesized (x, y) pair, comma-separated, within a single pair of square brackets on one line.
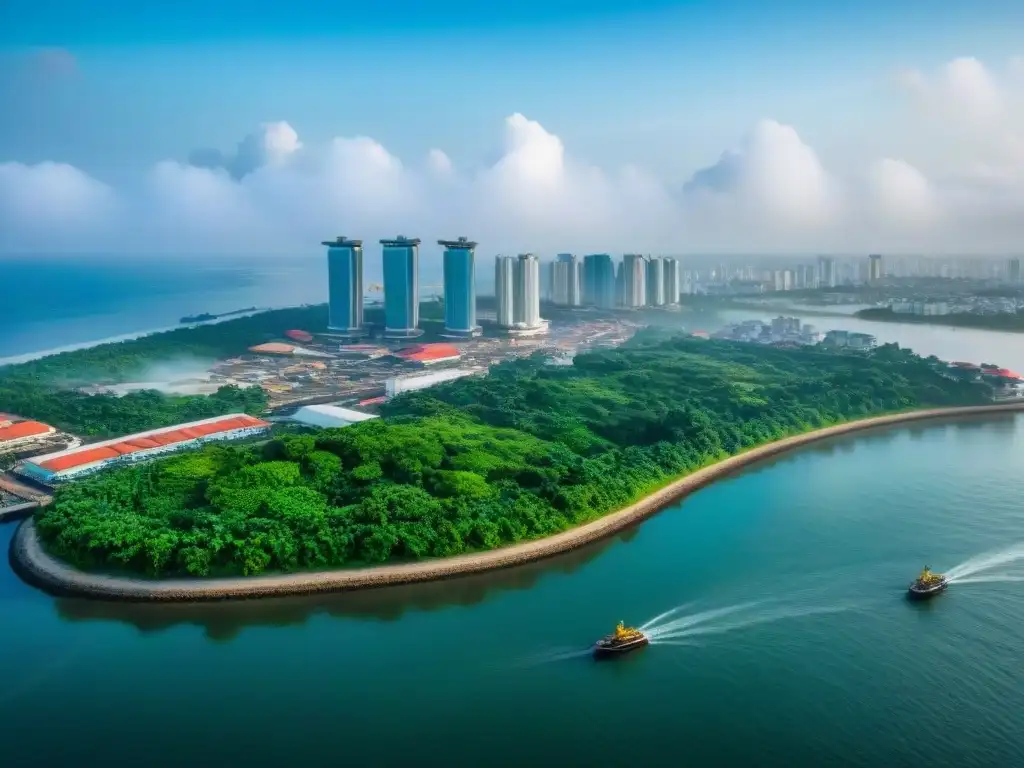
[(478, 463), (1007, 321)]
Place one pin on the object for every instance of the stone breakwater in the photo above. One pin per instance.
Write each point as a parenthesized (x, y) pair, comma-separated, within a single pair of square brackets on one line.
[(37, 567)]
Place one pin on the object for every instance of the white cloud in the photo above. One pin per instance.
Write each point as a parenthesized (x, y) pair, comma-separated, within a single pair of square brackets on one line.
[(771, 192)]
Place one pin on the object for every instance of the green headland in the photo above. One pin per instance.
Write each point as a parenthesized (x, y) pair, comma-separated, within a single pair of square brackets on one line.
[(479, 463)]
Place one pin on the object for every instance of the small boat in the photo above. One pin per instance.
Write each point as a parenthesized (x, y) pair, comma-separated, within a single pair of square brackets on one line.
[(622, 640), (928, 584)]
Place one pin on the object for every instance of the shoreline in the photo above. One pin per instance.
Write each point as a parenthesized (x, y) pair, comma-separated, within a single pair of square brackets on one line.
[(934, 320), (35, 566)]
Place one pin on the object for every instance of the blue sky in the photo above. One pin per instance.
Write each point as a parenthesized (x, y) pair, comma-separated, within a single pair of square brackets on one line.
[(112, 87), (654, 82)]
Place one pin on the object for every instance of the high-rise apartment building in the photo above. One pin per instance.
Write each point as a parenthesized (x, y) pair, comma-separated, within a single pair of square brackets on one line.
[(526, 291), (633, 280), (655, 282), (1013, 271), (345, 285), (566, 280), (517, 291), (874, 268), (599, 280), (401, 287), (826, 272), (504, 290), (672, 281), (459, 287)]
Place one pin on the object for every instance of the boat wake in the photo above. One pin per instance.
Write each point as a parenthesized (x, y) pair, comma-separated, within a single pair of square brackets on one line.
[(994, 578), (732, 618), (979, 568)]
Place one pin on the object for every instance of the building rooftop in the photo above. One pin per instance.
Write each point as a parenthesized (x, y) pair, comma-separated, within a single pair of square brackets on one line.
[(400, 241), (21, 429), (420, 353), (462, 243), (330, 416), (343, 241), (111, 449)]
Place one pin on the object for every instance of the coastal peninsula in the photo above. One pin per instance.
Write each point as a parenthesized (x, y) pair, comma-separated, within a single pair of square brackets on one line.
[(527, 453), (33, 563)]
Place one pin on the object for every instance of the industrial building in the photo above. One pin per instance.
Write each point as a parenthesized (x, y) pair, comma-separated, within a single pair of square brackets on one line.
[(401, 287), (277, 348), (15, 435), (54, 468), (429, 354), (460, 287), (566, 281), (327, 416), (399, 384), (599, 280), (345, 286)]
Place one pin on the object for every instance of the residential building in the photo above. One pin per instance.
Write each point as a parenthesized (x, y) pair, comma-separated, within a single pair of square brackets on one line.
[(401, 257), (460, 287), (566, 281), (599, 280), (345, 285), (633, 281)]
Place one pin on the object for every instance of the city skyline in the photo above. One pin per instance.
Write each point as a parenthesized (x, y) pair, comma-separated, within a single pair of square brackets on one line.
[(734, 130)]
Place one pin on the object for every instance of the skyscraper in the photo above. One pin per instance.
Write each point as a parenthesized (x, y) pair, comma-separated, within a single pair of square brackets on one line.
[(634, 282), (517, 290), (671, 271), (599, 280), (566, 281), (1014, 270), (526, 291), (874, 268), (504, 295), (655, 282), (460, 287), (401, 287), (826, 272), (345, 285)]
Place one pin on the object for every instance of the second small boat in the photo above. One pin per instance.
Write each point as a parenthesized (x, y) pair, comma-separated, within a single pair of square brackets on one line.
[(622, 640), (928, 584)]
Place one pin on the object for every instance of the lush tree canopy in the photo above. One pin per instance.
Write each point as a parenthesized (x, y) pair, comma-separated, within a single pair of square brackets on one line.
[(478, 463)]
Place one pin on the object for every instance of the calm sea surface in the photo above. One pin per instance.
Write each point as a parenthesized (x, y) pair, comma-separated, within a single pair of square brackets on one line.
[(794, 645)]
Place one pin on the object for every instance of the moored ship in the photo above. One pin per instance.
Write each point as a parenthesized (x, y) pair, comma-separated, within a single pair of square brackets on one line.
[(622, 640), (927, 585)]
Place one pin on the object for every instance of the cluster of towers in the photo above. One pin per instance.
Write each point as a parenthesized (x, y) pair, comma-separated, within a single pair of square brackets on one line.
[(640, 281), (401, 267), (591, 281)]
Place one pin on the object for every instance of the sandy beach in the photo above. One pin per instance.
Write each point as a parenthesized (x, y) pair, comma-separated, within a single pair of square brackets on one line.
[(38, 568)]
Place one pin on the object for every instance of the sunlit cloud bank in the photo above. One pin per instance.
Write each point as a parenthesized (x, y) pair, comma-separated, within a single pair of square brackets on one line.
[(768, 192)]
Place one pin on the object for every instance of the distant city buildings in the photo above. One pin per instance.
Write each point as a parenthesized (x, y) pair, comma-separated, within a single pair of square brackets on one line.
[(460, 287), (874, 268), (401, 259), (1013, 271), (826, 272), (345, 285)]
